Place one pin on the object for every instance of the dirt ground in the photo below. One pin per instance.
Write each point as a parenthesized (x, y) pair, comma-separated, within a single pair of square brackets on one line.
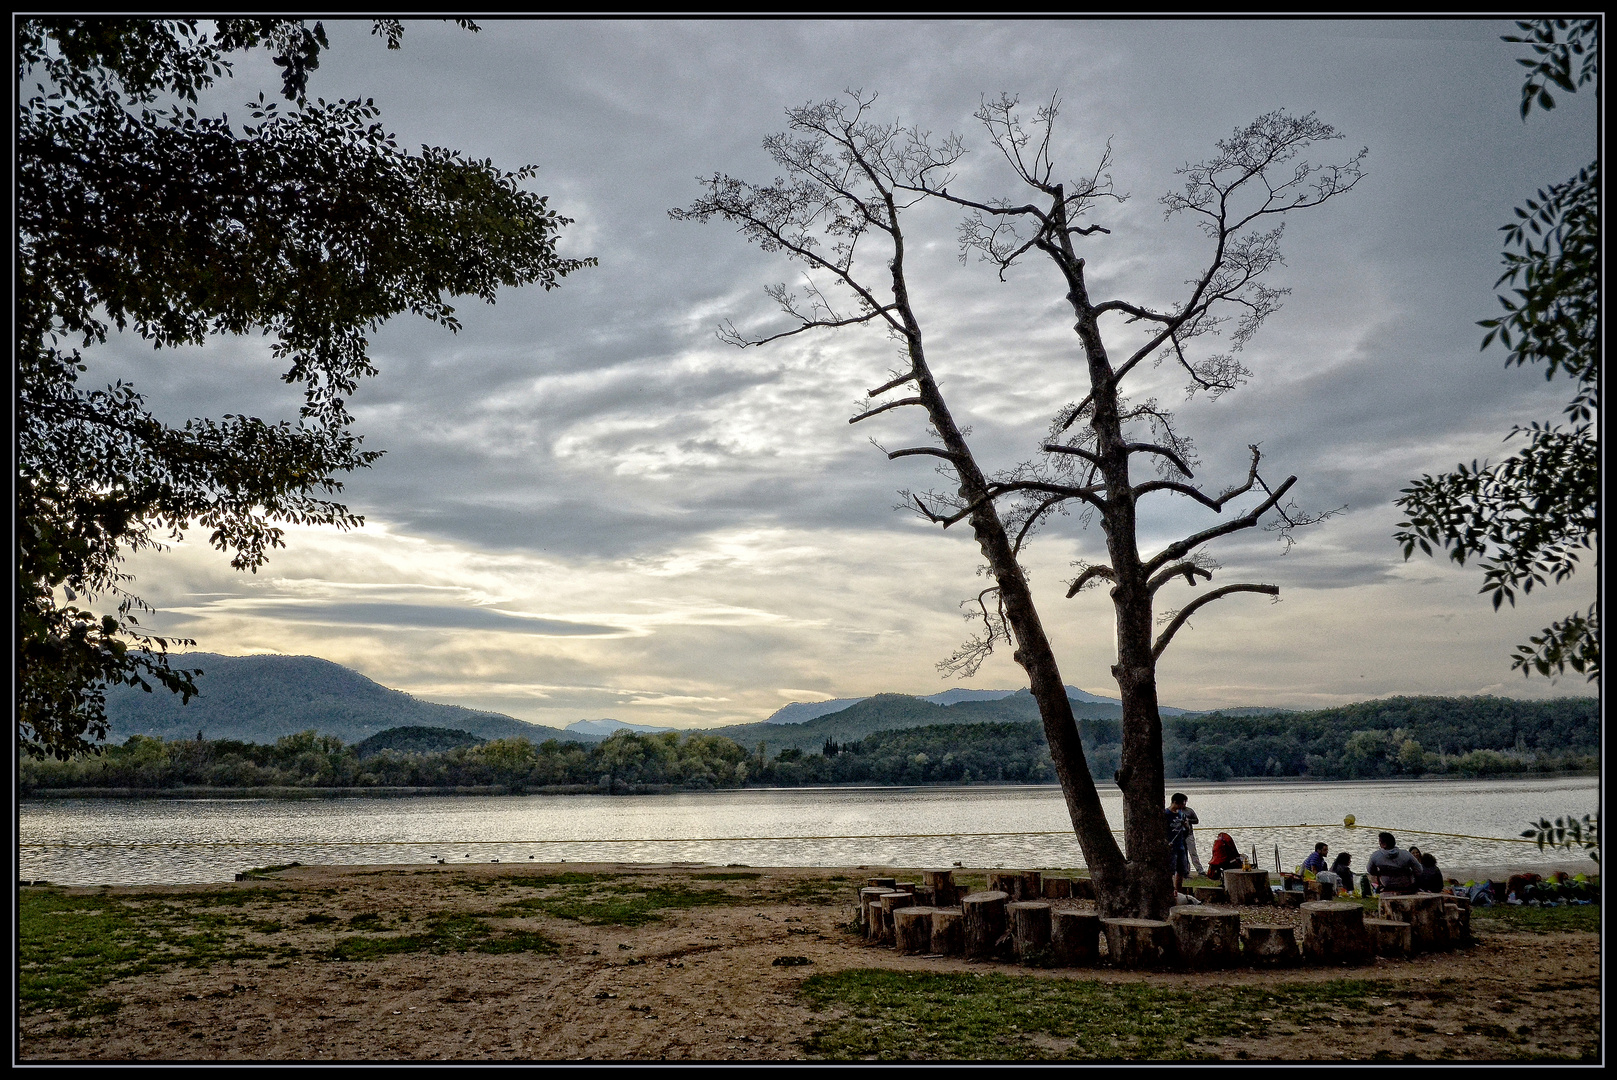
[(700, 984)]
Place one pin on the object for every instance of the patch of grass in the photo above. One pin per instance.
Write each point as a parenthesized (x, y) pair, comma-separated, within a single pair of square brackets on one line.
[(815, 892), (910, 1016), (732, 876), (69, 947), (1504, 918), (444, 933), (631, 905)]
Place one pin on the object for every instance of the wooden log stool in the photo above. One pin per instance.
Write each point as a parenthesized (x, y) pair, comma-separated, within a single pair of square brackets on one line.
[(1210, 894), (1333, 933), (905, 886), (948, 931), (1083, 888), (1464, 904), (1248, 887), (1424, 913), (1289, 899), (1269, 946), (943, 887), (984, 914), (1318, 890), (912, 930), (1057, 888), (1004, 881), (1074, 938), (891, 902), (925, 895), (1389, 938), (881, 882), (1207, 937), (1029, 924), (869, 897), (1140, 943)]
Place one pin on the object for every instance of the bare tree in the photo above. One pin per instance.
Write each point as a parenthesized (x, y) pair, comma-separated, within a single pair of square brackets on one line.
[(847, 181)]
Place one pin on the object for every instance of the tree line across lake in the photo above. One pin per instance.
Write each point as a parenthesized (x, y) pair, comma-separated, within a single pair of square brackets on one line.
[(1466, 737)]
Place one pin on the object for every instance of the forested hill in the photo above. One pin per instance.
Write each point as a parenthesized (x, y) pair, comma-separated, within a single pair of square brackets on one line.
[(888, 712), (262, 698)]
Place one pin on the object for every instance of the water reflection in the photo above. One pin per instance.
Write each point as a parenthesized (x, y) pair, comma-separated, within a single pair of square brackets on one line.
[(93, 841)]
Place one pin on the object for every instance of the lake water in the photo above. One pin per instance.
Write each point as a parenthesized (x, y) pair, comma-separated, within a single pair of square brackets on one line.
[(159, 841)]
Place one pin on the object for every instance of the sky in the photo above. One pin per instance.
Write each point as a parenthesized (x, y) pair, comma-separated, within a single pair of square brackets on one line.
[(590, 506)]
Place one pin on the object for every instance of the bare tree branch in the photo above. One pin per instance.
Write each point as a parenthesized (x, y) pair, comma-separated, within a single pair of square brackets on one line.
[(1200, 602), (868, 413), (1090, 573)]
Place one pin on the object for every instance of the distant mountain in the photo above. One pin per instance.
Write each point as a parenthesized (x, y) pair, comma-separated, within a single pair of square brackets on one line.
[(261, 698), (596, 730), (886, 712), (799, 712)]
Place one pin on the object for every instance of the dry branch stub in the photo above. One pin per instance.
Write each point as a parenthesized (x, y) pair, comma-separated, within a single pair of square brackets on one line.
[(1030, 928), (1208, 937), (1270, 946), (1141, 943), (984, 921), (1248, 887), (1075, 938), (1428, 924), (1389, 938), (912, 930), (948, 931), (1333, 932)]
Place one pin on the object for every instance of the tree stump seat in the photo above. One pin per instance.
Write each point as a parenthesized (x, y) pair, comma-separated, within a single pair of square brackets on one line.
[(1389, 938), (1140, 943), (985, 921), (944, 892), (891, 902), (1248, 887), (1029, 926), (1318, 890), (1057, 888), (1074, 938), (1207, 937), (1083, 888), (1333, 933), (1428, 924), (1269, 946), (912, 929), (948, 931), (868, 897), (1210, 894)]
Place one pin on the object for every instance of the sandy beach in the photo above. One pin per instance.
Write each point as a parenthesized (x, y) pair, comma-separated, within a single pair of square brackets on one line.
[(700, 979)]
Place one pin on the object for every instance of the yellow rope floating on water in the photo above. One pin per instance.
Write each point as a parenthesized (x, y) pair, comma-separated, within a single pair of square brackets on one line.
[(694, 839)]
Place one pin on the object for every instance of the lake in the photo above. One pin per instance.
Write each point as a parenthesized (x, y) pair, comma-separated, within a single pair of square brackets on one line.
[(160, 841)]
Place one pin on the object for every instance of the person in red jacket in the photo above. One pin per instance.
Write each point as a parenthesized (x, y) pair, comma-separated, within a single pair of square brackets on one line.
[(1225, 854)]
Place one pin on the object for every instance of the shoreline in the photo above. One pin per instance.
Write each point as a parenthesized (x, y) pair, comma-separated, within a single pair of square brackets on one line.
[(293, 792)]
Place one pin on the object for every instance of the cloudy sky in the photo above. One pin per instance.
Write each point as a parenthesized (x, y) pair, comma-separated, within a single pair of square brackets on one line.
[(591, 507)]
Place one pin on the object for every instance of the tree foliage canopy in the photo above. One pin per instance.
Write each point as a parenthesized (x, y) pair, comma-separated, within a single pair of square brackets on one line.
[(309, 224), (1528, 517)]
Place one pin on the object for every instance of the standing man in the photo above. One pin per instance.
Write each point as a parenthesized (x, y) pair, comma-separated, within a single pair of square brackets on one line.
[(1191, 821), (1390, 870), (1178, 831)]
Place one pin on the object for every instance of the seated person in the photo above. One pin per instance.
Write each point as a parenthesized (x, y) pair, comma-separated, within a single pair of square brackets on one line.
[(1430, 878), (1315, 863), (1343, 869), (1392, 870), (1225, 854)]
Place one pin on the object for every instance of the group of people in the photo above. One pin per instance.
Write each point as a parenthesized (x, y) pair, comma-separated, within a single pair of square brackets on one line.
[(1391, 870)]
